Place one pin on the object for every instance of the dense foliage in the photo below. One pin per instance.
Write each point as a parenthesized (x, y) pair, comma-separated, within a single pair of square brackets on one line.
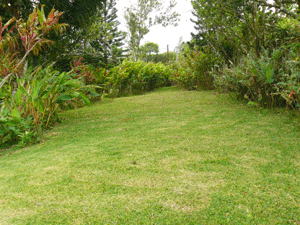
[(78, 14), (245, 48), (193, 70), (15, 8), (33, 105), (29, 99), (248, 48), (137, 77)]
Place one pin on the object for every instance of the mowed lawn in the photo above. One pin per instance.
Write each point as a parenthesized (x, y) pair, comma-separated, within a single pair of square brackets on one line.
[(167, 157)]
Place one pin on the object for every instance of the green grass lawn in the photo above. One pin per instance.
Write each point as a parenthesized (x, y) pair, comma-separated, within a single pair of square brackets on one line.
[(167, 157)]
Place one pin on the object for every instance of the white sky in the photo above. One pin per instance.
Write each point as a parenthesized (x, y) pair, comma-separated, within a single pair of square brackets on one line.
[(164, 36)]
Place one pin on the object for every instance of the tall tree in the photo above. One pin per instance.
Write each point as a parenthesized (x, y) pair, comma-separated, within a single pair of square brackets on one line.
[(199, 37), (106, 40), (143, 15), (233, 27), (79, 14)]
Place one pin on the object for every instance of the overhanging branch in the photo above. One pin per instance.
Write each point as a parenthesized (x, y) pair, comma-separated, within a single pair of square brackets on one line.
[(280, 7)]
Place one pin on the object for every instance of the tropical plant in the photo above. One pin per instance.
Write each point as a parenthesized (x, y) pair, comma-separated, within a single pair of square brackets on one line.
[(32, 35), (29, 100), (92, 76), (15, 129), (79, 15), (233, 28), (37, 98)]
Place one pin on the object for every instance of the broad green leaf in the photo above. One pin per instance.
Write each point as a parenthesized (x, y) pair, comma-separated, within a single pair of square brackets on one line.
[(85, 99), (16, 115), (94, 94), (3, 120), (37, 85), (40, 16), (19, 96), (38, 104), (29, 98), (64, 98), (73, 83), (269, 74), (75, 95)]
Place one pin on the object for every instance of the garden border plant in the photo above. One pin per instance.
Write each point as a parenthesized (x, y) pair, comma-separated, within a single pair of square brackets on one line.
[(29, 100), (131, 78)]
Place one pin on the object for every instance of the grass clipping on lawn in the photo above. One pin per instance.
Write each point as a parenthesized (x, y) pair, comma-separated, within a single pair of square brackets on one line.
[(167, 157)]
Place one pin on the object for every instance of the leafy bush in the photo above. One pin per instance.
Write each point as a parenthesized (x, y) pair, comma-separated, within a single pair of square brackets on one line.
[(288, 86), (92, 76), (193, 71), (33, 104), (252, 79), (270, 80), (15, 129), (137, 77), (27, 102)]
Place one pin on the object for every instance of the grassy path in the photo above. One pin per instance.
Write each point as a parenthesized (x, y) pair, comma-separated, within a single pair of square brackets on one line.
[(168, 157)]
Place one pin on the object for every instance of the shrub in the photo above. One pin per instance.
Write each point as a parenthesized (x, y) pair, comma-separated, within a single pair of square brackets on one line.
[(92, 76), (26, 102), (137, 77), (288, 86), (33, 104), (251, 79), (15, 129), (270, 80), (193, 71)]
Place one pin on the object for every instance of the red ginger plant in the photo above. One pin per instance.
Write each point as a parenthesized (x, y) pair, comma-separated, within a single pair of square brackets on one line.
[(32, 34)]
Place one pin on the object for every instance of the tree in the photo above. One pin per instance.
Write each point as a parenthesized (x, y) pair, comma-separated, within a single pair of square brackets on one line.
[(288, 7), (106, 40), (79, 14), (147, 49), (163, 57), (232, 28), (146, 13), (199, 38)]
